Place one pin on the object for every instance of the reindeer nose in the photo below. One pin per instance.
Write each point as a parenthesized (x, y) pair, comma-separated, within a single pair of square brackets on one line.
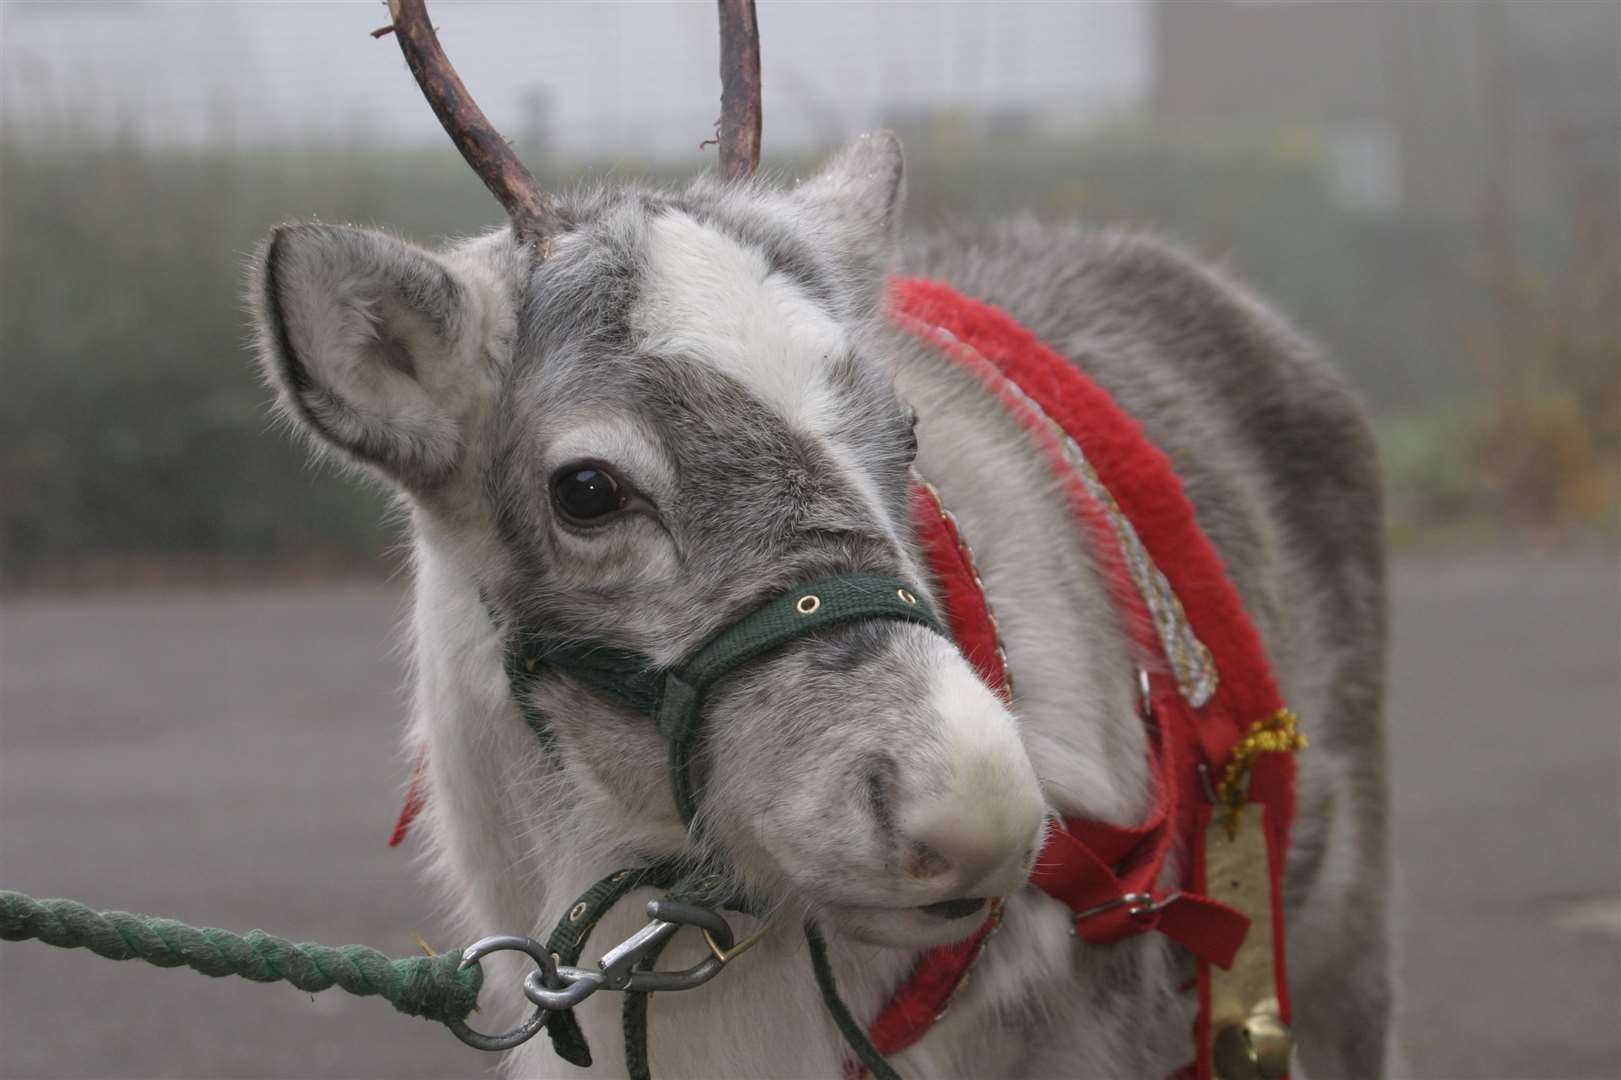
[(966, 817), (956, 852)]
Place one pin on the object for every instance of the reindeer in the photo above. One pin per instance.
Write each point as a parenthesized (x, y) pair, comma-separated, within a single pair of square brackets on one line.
[(633, 415)]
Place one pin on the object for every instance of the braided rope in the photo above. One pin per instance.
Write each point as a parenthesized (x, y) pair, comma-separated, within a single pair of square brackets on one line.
[(433, 987)]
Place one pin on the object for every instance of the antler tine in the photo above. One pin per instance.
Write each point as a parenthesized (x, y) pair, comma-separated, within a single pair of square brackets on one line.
[(740, 89), (534, 216)]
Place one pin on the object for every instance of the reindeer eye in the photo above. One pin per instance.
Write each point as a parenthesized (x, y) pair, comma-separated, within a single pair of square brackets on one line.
[(584, 492)]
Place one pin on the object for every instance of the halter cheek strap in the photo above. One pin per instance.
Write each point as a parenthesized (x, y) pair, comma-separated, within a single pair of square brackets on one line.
[(675, 696)]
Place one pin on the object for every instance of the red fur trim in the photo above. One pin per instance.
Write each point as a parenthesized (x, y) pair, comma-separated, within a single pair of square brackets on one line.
[(1135, 472), (1087, 864)]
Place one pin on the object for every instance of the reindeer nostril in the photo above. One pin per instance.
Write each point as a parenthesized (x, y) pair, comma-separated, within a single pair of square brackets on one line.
[(927, 862), (880, 780), (965, 850)]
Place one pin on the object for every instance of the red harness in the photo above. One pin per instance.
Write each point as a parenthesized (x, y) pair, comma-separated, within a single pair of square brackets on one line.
[(1174, 594), (1212, 711)]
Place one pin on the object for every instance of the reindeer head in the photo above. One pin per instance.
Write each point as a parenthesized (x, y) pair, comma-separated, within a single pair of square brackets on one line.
[(634, 420)]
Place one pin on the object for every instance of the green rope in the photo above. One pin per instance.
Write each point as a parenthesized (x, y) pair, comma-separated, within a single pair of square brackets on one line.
[(434, 987)]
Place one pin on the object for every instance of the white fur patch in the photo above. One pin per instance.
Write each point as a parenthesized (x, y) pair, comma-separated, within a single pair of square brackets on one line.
[(979, 735), (991, 790), (712, 299)]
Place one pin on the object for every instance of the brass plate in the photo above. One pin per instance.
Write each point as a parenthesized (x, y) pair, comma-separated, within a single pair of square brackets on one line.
[(1236, 874)]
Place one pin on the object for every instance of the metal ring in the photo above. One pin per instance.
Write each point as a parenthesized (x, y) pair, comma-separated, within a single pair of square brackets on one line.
[(1148, 906), (1136, 900), (521, 1034), (576, 911), (808, 604), (557, 999), (905, 596)]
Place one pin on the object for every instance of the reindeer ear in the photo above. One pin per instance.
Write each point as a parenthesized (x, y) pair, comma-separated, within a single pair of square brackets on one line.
[(857, 199), (372, 345)]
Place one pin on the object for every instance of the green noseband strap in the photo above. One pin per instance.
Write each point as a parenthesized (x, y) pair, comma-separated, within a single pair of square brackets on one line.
[(826, 602), (675, 696)]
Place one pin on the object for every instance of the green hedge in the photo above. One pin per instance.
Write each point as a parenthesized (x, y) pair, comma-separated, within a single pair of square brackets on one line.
[(132, 425)]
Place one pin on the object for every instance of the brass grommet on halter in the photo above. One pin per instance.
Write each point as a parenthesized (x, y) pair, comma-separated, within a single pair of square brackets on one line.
[(576, 911), (905, 596), (808, 604)]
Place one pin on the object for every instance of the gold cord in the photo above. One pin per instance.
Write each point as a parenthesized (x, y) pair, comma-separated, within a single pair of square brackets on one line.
[(1278, 733)]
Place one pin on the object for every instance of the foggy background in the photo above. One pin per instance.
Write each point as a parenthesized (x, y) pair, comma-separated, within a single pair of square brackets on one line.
[(1428, 187), (199, 699)]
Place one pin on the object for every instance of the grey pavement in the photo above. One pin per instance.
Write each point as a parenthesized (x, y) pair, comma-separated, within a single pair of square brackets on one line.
[(231, 759)]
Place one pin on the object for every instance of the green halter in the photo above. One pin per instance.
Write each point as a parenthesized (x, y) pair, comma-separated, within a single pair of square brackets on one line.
[(675, 696)]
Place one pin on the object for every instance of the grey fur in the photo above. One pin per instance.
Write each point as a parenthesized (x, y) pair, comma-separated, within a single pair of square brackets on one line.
[(818, 755)]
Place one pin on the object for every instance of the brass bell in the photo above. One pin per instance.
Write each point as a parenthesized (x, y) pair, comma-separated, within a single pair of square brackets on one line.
[(1257, 1049)]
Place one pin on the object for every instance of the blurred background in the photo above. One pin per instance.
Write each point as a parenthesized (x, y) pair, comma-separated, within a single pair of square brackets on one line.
[(1431, 188)]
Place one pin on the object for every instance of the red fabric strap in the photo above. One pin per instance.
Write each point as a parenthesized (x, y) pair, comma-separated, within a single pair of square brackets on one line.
[(961, 594), (928, 989), (416, 797)]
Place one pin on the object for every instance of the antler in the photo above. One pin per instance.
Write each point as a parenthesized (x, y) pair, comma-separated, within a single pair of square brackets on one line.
[(534, 215), (740, 89)]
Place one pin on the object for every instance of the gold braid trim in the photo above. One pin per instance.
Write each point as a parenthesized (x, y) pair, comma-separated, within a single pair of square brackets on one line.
[(1278, 733)]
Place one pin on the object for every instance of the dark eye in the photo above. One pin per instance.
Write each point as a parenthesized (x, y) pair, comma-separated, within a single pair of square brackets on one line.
[(911, 433), (586, 492)]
